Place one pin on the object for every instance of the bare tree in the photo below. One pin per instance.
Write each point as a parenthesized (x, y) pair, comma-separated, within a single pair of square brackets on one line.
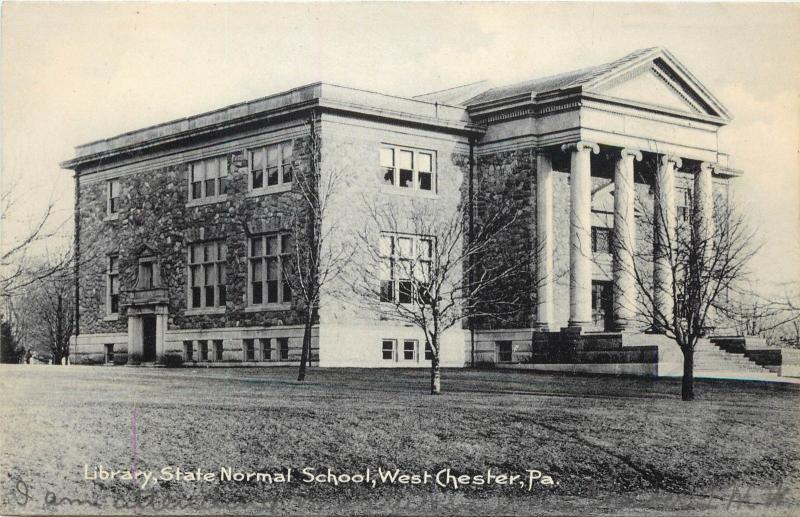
[(49, 307), (419, 266), (16, 271), (685, 271), (317, 258)]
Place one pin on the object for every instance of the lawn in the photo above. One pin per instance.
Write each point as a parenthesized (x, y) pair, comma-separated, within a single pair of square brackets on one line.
[(610, 445)]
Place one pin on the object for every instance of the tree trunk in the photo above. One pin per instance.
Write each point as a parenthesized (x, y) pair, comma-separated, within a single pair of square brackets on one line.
[(304, 357), (687, 384), (436, 377)]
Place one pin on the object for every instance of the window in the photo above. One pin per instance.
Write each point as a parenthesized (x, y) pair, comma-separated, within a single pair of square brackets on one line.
[(271, 165), (268, 254), (208, 178), (428, 352), (112, 275), (683, 202), (146, 279), (218, 350), (601, 239), (283, 344), (266, 349), (249, 350), (407, 261), (112, 205), (188, 351), (407, 168), (387, 350), (202, 346), (504, 352), (409, 350), (207, 274), (109, 353)]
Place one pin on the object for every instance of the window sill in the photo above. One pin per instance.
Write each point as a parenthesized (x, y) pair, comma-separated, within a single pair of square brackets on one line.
[(275, 189), (111, 317), (111, 217), (204, 310), (409, 192), (269, 307), (206, 201)]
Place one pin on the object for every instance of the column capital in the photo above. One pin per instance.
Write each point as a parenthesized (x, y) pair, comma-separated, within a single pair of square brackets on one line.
[(708, 166), (671, 158), (581, 145), (635, 153)]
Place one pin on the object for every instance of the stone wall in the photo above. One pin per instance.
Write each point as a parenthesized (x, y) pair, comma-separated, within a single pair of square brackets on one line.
[(504, 183), (154, 213)]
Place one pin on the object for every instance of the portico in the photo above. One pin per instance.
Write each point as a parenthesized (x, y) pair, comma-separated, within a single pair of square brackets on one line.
[(623, 247)]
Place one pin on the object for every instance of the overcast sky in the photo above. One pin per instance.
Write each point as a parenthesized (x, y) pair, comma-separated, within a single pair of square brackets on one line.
[(72, 73)]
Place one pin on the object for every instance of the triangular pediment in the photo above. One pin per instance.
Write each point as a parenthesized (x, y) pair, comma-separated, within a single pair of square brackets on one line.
[(648, 87), (657, 79)]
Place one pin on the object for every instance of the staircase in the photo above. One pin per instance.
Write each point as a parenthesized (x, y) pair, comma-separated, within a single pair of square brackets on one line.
[(712, 361)]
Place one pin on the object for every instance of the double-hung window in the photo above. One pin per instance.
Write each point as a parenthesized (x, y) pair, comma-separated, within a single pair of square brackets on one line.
[(271, 165), (406, 262), (683, 204), (387, 349), (112, 197), (269, 256), (409, 350), (407, 168), (207, 274), (208, 178), (112, 284)]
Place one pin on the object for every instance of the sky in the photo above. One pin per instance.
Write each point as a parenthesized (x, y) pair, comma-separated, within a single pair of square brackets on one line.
[(71, 73)]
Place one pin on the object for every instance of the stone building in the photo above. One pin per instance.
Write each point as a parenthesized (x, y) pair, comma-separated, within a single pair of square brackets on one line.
[(182, 227)]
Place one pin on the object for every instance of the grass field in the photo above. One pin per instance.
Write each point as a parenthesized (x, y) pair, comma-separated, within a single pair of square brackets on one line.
[(611, 445)]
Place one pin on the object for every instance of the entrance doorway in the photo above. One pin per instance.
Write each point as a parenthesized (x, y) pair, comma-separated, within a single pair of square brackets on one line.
[(602, 305), (148, 338)]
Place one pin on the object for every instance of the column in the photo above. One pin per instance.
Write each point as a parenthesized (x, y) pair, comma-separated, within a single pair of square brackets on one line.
[(161, 329), (703, 210), (135, 336), (544, 241), (580, 237), (663, 239), (624, 243)]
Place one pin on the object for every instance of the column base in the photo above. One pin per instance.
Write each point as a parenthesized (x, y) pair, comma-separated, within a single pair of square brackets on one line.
[(572, 326)]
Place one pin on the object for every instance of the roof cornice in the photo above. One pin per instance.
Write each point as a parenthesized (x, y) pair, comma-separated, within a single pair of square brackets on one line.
[(288, 105)]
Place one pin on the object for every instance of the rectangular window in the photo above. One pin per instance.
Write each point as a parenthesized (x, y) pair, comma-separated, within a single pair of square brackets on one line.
[(249, 350), (271, 165), (504, 352), (601, 239), (406, 268), (202, 347), (409, 350), (112, 206), (387, 350), (407, 168), (112, 275), (269, 257), (208, 178), (283, 344), (218, 350), (188, 351), (428, 352), (266, 349), (146, 280), (207, 274), (683, 203), (109, 353)]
